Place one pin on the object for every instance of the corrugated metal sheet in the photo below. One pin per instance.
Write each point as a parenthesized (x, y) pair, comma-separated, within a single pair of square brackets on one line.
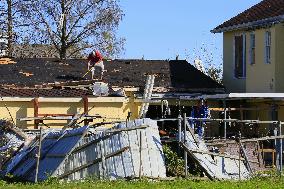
[(124, 164), (217, 167), (130, 149), (55, 148)]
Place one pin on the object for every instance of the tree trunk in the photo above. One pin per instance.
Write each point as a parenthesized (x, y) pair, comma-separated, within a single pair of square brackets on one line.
[(63, 32), (62, 53), (10, 28)]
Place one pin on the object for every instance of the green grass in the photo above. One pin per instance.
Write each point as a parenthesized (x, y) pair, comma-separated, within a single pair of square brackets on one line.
[(271, 182)]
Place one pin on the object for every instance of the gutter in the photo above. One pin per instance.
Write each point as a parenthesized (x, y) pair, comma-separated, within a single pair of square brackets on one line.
[(251, 25)]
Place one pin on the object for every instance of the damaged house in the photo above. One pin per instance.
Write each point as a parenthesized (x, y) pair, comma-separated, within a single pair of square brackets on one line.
[(52, 95)]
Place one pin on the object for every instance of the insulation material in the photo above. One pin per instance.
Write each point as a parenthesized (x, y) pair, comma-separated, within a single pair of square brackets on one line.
[(100, 89)]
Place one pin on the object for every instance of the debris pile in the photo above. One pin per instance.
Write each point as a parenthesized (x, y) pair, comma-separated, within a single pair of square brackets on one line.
[(128, 150), (11, 139)]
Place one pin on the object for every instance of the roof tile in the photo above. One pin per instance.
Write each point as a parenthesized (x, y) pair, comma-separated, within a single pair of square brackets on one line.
[(263, 10)]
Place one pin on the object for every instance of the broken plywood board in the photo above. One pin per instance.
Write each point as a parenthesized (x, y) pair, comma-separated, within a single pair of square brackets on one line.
[(6, 61)]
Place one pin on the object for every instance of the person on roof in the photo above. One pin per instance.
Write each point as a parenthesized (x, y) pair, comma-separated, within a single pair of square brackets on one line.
[(96, 63)]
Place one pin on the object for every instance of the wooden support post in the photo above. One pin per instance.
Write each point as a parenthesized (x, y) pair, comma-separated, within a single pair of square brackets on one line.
[(184, 140), (262, 147), (36, 107), (86, 107)]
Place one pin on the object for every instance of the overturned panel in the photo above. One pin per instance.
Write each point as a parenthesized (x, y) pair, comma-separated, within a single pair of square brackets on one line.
[(128, 150), (56, 146), (215, 166)]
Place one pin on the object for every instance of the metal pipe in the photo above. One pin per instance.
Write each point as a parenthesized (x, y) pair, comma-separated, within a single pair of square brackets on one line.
[(225, 117), (240, 136), (281, 149), (140, 152), (179, 128), (233, 120), (38, 155), (222, 120), (185, 141), (179, 132)]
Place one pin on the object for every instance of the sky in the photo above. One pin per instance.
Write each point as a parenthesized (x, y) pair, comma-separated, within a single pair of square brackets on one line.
[(162, 29)]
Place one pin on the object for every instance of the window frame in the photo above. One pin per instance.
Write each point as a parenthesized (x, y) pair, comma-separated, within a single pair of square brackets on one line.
[(267, 47), (252, 55), (244, 52)]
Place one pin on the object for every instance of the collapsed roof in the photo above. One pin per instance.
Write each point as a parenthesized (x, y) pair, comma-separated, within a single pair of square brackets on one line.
[(171, 76), (262, 14)]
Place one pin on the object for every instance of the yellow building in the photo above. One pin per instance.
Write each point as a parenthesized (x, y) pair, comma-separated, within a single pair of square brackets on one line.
[(253, 49)]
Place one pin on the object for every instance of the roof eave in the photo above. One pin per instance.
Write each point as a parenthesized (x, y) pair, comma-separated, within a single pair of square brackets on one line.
[(250, 25)]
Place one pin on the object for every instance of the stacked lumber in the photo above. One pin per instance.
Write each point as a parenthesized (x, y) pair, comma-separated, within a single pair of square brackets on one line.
[(6, 61)]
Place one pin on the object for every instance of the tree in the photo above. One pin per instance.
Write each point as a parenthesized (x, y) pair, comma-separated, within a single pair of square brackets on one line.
[(6, 21), (72, 26), (11, 22)]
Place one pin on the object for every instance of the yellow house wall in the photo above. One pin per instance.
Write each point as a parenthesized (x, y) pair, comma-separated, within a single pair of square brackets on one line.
[(279, 76), (261, 76), (231, 83), (109, 110)]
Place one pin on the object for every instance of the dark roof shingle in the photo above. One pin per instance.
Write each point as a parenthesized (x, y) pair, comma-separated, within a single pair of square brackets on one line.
[(265, 11), (175, 76)]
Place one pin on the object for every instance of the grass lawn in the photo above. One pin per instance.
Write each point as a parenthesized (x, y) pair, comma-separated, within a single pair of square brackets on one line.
[(272, 182)]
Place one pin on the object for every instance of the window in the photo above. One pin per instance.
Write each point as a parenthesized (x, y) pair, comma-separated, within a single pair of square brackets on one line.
[(268, 47), (252, 48), (240, 56)]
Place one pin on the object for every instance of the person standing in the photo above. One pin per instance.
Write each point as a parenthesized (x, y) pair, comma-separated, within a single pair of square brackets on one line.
[(96, 63)]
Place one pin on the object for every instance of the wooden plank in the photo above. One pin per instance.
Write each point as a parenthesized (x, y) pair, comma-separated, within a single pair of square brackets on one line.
[(86, 107), (54, 115), (36, 107)]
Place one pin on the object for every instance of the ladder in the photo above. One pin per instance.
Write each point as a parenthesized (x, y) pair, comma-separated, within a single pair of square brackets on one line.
[(147, 95)]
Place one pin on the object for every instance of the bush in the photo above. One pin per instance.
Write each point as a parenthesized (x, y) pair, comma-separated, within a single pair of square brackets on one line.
[(174, 164)]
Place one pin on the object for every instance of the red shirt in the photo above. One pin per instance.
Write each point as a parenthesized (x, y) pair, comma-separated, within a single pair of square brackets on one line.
[(95, 58)]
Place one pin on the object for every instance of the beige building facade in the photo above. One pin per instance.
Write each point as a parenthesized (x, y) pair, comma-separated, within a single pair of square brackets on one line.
[(253, 44), (258, 75)]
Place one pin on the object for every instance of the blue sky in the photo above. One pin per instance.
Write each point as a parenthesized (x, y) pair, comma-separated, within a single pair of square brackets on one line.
[(161, 29)]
